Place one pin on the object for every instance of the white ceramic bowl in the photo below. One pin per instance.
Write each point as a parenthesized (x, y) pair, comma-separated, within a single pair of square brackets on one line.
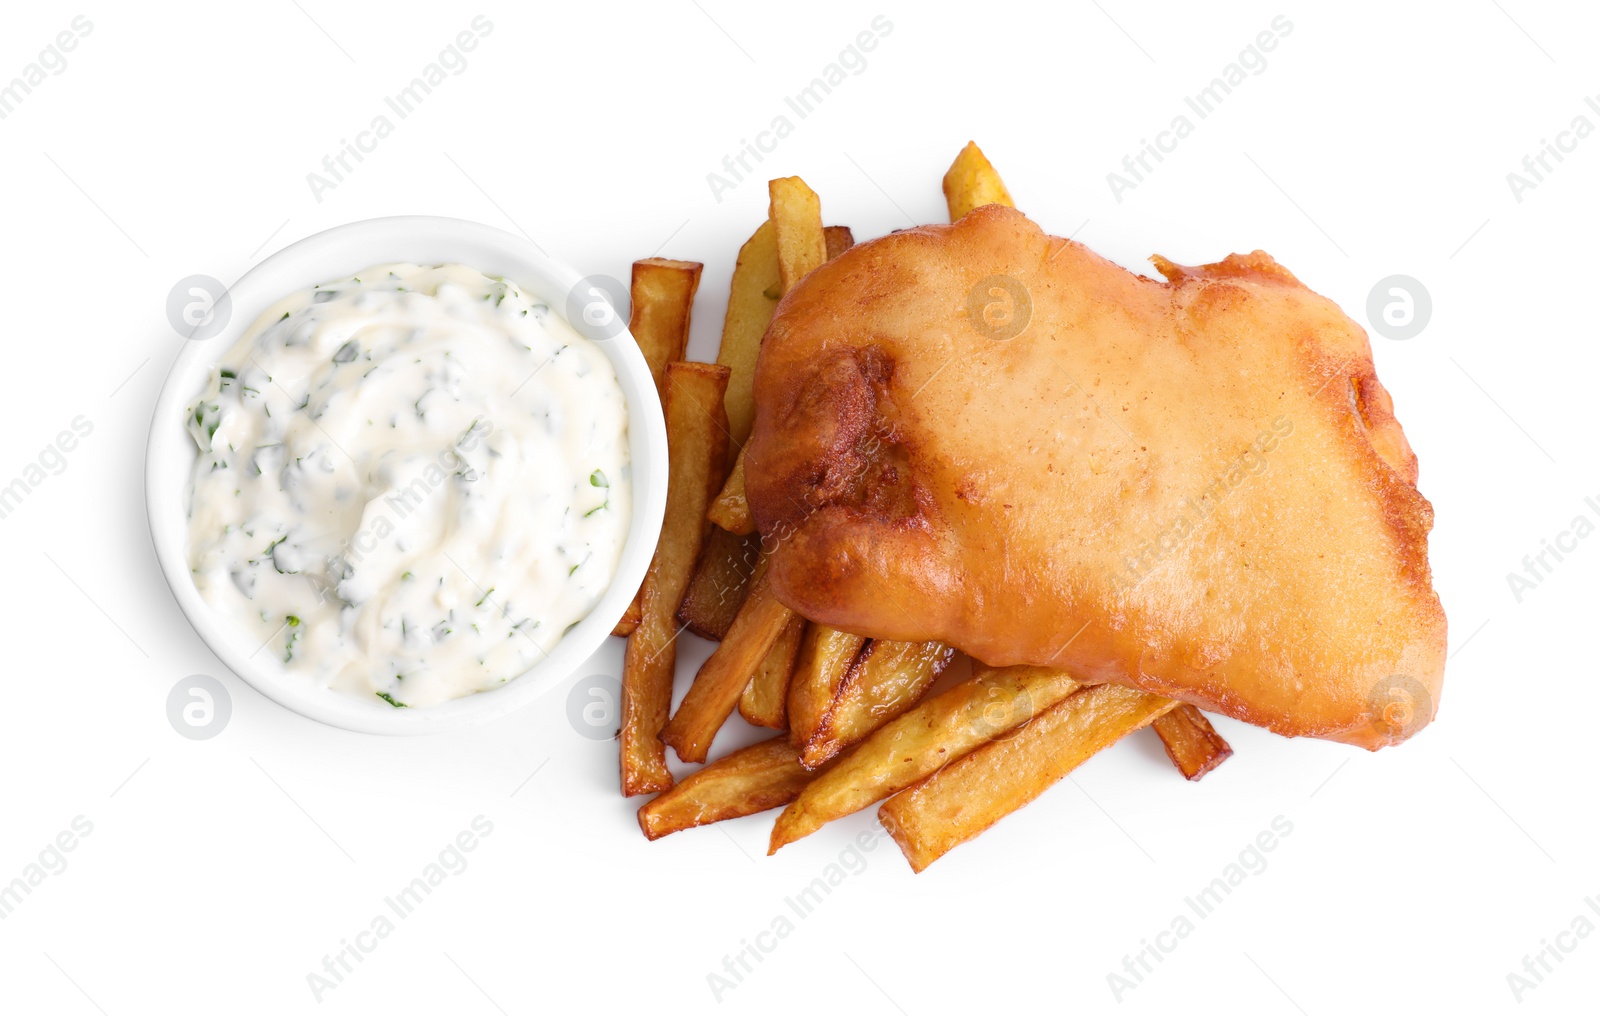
[(333, 254)]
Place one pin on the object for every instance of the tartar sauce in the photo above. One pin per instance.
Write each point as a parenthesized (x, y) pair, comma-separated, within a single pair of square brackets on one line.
[(410, 483)]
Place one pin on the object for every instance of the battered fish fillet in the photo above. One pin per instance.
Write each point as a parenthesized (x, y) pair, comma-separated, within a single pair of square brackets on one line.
[(995, 438)]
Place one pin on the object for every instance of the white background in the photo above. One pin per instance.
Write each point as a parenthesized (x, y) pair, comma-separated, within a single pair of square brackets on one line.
[(220, 873)]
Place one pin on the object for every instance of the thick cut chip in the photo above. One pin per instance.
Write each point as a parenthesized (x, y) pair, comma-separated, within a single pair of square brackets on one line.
[(764, 701), (661, 298), (697, 445), (748, 781), (972, 182), (720, 582), (716, 688), (990, 704), (752, 295), (796, 215), (825, 657), (885, 680), (973, 793), (1192, 742)]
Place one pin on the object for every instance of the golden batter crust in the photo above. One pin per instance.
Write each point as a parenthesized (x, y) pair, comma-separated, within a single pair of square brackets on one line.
[(1196, 487)]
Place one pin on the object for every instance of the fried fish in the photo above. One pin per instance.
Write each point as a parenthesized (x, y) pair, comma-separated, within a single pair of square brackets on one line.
[(994, 438)]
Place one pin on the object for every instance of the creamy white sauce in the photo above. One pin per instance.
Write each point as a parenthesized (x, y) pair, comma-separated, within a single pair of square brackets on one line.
[(410, 483)]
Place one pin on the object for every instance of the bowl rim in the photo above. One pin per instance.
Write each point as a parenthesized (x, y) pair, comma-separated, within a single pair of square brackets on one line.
[(358, 245)]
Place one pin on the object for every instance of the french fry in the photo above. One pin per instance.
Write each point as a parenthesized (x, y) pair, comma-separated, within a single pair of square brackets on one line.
[(722, 576), (750, 780), (795, 212), (764, 701), (661, 297), (752, 296), (973, 182), (990, 704), (697, 444), (723, 676), (721, 579), (730, 510), (825, 657), (1192, 743), (837, 240), (973, 793), (884, 681), (796, 215)]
